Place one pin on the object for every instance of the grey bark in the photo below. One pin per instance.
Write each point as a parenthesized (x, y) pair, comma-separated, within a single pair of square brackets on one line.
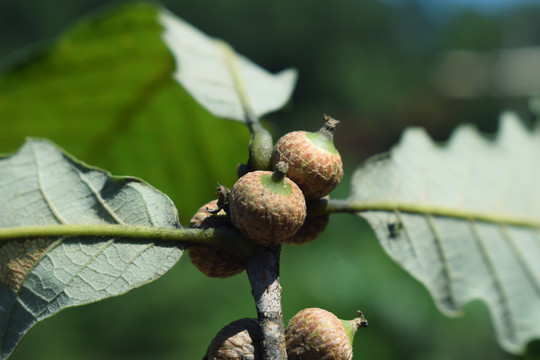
[(263, 273)]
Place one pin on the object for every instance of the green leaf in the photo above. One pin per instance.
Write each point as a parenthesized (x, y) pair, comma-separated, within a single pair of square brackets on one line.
[(40, 186), (226, 83), (464, 219), (106, 91)]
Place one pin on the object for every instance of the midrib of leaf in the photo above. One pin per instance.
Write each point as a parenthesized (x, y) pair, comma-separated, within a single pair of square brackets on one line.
[(230, 60), (501, 219), (143, 233)]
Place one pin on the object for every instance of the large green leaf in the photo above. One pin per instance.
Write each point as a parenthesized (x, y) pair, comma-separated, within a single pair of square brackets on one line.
[(464, 219), (226, 83), (106, 91), (39, 276)]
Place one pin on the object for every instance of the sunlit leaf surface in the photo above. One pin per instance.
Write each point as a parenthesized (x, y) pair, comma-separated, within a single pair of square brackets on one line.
[(464, 219), (227, 84), (41, 185)]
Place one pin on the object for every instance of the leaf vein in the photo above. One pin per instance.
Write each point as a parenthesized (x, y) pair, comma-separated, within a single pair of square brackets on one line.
[(498, 286), (100, 199), (518, 254), (442, 256), (42, 190), (85, 265)]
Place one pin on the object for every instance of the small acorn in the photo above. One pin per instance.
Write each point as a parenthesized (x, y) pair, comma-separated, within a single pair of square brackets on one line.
[(314, 162), (317, 334), (239, 340), (266, 206), (313, 226), (213, 261)]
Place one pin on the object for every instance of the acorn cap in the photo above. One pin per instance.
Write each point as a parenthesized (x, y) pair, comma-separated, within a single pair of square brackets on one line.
[(239, 340), (317, 334), (213, 261), (314, 162), (267, 207)]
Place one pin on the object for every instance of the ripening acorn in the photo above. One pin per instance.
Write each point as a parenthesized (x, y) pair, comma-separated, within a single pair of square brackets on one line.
[(239, 340), (313, 226), (314, 162), (317, 334), (213, 261), (266, 206)]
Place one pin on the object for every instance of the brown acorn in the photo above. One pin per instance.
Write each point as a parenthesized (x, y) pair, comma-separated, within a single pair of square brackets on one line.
[(314, 162), (266, 206), (213, 261), (239, 340), (313, 226), (317, 334)]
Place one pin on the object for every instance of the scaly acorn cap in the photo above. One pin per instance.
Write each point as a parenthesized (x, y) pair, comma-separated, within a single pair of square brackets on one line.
[(239, 340), (213, 261), (314, 162), (317, 334), (266, 206)]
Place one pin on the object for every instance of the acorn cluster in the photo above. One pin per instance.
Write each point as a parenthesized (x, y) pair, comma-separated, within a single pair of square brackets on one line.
[(270, 207), (312, 334)]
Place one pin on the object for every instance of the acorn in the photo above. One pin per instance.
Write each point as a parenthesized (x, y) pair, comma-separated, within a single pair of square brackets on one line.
[(213, 261), (317, 334), (313, 226), (314, 162), (239, 340), (266, 206)]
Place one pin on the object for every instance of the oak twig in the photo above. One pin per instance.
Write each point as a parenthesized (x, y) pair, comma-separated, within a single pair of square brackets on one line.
[(263, 273)]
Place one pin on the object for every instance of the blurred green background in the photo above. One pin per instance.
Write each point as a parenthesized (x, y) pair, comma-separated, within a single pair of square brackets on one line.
[(379, 66)]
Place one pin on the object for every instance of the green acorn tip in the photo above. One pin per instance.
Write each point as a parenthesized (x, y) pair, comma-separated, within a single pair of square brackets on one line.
[(352, 326)]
